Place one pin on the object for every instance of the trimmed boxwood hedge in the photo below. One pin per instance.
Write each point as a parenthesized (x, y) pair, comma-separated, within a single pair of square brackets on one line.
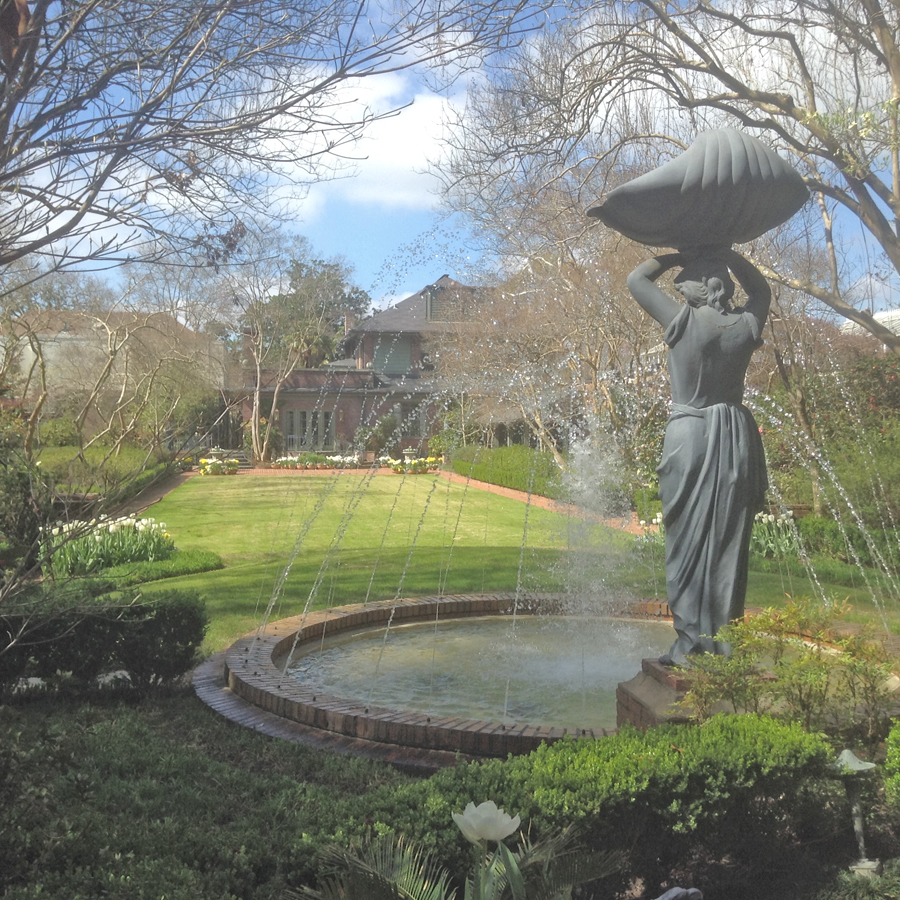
[(154, 640), (732, 786), (518, 467)]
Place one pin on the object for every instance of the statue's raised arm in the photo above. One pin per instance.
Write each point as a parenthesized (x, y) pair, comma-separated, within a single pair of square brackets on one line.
[(759, 295), (641, 283)]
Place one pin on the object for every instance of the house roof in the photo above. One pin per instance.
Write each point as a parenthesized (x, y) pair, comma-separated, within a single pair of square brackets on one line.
[(77, 322), (430, 310)]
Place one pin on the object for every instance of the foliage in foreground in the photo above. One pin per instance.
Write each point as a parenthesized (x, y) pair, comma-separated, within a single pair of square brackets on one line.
[(108, 799), (132, 801), (391, 868), (733, 788)]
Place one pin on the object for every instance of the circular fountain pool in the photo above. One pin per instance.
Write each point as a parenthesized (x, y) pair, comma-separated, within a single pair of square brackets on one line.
[(258, 670), (559, 671)]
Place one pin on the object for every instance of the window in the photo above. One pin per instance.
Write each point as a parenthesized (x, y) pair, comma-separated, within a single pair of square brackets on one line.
[(308, 430)]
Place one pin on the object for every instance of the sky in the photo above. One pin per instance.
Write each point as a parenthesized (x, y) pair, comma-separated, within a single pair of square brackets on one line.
[(382, 214)]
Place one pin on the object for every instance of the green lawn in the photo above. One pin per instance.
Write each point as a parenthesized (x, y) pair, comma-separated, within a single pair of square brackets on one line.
[(96, 472), (359, 537)]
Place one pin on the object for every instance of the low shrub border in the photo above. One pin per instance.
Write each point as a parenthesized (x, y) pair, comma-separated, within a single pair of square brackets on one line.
[(732, 787), (181, 562), (517, 467), (154, 641)]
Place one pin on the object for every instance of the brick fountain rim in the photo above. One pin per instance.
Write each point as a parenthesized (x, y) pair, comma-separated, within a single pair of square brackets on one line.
[(252, 672)]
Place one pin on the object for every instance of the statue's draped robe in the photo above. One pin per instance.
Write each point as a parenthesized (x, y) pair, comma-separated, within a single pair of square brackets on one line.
[(712, 476)]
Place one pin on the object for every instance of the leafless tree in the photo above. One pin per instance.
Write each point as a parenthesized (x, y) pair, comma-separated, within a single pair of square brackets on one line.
[(560, 340), (287, 307), (122, 121), (615, 88), (115, 370)]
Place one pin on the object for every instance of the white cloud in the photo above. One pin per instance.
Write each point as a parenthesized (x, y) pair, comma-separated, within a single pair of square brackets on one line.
[(391, 158)]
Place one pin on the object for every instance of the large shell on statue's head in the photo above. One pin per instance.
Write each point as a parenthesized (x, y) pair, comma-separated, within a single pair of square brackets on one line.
[(726, 188)]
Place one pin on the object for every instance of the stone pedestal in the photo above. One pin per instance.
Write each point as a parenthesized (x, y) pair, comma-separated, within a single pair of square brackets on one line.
[(651, 698), (867, 868)]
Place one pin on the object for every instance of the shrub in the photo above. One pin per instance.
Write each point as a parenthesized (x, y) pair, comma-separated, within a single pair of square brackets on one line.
[(181, 562), (783, 661), (849, 885), (731, 785), (892, 766), (847, 542), (154, 641), (518, 467), (162, 637), (61, 432), (116, 476)]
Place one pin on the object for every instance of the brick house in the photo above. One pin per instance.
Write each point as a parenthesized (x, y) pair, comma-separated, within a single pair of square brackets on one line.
[(386, 371)]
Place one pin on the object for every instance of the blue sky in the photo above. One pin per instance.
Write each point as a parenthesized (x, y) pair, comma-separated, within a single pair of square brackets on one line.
[(381, 215)]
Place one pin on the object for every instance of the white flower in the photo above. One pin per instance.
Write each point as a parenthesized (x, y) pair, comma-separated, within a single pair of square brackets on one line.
[(643, 523), (485, 822)]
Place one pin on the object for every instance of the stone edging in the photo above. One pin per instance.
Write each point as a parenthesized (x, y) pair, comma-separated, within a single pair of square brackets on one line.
[(253, 674)]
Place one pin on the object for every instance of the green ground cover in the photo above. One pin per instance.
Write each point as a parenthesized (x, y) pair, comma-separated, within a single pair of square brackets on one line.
[(95, 468), (361, 537)]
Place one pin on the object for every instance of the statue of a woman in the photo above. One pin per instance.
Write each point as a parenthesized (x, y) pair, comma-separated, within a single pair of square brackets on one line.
[(712, 478)]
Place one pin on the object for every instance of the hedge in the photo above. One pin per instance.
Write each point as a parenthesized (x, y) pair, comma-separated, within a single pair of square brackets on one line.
[(733, 787), (181, 562), (518, 467), (154, 640), (826, 537)]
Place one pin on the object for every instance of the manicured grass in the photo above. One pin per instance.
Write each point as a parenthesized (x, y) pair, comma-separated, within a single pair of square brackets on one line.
[(359, 537), (95, 472)]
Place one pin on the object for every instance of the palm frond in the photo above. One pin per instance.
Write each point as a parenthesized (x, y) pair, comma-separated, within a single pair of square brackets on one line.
[(387, 868), (553, 867)]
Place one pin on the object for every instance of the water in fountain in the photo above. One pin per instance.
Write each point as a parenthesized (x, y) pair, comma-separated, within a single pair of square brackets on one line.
[(546, 671)]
